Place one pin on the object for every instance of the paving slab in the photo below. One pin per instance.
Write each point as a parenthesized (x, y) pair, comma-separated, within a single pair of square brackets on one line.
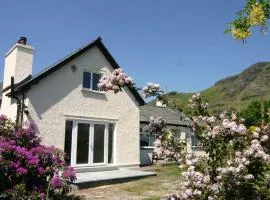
[(93, 179)]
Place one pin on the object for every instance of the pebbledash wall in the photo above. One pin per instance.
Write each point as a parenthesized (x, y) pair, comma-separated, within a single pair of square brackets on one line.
[(60, 96)]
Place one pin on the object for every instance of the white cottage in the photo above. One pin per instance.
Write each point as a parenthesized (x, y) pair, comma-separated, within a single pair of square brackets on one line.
[(94, 128)]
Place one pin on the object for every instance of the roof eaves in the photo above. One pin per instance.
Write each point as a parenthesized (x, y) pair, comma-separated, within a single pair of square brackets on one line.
[(18, 84), (57, 65), (169, 124)]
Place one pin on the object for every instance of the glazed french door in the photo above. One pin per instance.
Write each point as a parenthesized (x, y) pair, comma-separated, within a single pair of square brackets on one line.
[(98, 145), (91, 143)]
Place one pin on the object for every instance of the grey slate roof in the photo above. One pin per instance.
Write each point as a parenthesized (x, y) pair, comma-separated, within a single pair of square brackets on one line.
[(171, 117)]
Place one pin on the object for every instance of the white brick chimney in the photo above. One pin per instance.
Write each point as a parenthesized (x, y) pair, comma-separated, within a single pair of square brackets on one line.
[(160, 104), (18, 63)]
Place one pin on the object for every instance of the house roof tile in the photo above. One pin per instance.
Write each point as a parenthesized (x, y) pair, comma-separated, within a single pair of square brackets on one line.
[(171, 117)]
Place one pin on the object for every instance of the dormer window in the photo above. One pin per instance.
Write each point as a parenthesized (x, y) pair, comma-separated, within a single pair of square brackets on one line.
[(91, 80)]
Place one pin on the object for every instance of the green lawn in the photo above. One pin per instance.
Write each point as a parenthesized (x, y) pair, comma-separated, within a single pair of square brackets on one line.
[(166, 176), (167, 181)]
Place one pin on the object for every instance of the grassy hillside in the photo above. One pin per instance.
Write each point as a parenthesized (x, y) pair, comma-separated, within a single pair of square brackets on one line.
[(234, 92)]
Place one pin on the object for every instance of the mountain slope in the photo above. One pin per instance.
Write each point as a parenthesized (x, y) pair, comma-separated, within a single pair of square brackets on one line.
[(234, 92)]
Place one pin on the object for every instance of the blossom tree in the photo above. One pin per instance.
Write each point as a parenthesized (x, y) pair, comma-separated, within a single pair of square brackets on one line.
[(167, 146), (118, 79), (236, 164), (237, 160)]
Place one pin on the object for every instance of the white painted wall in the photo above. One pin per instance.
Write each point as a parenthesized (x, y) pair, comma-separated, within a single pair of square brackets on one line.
[(59, 96), (18, 63)]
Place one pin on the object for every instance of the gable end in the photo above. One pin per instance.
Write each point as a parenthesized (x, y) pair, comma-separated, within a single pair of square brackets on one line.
[(97, 42)]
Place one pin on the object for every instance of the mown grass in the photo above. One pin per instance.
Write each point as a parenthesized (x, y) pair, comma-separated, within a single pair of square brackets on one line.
[(168, 180)]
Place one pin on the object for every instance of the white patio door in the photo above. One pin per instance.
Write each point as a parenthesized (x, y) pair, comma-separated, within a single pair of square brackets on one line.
[(89, 144), (99, 150)]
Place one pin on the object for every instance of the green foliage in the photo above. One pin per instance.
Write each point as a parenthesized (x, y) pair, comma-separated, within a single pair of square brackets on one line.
[(255, 13), (236, 164), (252, 114)]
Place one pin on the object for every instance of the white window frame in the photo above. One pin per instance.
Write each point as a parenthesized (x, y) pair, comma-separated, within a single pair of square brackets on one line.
[(91, 82), (182, 135), (91, 143)]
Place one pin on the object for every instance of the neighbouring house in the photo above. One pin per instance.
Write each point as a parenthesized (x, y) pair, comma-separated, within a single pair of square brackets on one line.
[(176, 121), (94, 128)]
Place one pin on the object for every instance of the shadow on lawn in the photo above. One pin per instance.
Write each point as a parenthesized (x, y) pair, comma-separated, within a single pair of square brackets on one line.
[(70, 197)]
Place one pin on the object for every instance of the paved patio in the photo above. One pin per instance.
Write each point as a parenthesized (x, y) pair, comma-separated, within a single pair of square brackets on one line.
[(93, 179)]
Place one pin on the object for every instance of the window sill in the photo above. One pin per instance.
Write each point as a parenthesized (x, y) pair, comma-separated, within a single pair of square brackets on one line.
[(197, 148), (147, 147), (92, 91)]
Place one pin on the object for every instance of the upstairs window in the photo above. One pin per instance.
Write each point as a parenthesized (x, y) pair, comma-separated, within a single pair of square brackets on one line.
[(91, 80)]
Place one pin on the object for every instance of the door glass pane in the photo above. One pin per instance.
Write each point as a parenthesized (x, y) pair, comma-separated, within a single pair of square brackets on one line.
[(99, 132), (68, 136), (82, 143), (110, 143)]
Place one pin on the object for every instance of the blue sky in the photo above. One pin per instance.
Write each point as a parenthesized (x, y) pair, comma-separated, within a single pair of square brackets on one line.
[(179, 44)]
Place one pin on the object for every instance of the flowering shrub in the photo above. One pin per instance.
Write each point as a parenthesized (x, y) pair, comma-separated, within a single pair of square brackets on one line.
[(237, 160), (167, 146), (198, 104), (255, 13), (151, 90), (118, 79), (115, 82), (237, 164), (29, 170)]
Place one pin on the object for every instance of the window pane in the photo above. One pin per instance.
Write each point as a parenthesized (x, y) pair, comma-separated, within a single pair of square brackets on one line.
[(110, 143), (82, 143), (86, 80), (152, 139), (68, 136), (194, 140), (144, 139), (177, 133), (96, 78), (99, 143)]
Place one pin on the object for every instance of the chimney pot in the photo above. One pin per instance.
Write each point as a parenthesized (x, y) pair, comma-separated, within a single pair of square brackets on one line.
[(160, 104), (22, 40)]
